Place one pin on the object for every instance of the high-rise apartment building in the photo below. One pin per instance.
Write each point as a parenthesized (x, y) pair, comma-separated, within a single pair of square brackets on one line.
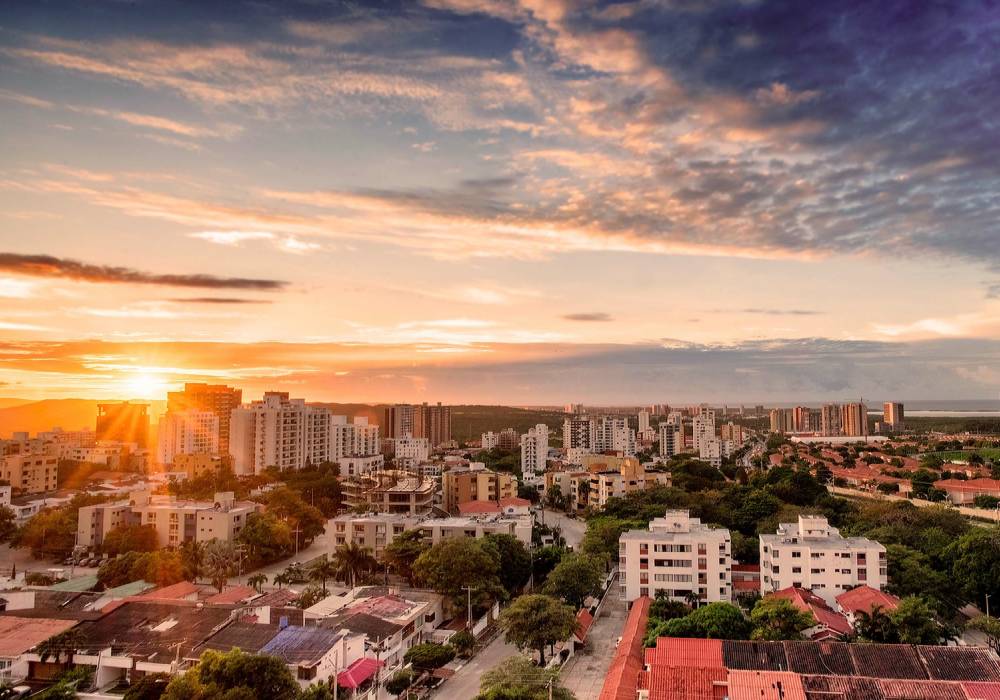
[(578, 433), (782, 420), (410, 450), (671, 440), (679, 555), (643, 421), (534, 453), (217, 398), (424, 421), (854, 419), (892, 415), (508, 439), (811, 554), (702, 428), (356, 439), (829, 417), (490, 440), (280, 432), (475, 483), (123, 421), (733, 432), (187, 432), (613, 434)]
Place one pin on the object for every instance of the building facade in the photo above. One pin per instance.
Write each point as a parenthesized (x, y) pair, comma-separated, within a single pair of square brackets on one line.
[(534, 453), (216, 398), (475, 483), (280, 432), (123, 421), (187, 432)]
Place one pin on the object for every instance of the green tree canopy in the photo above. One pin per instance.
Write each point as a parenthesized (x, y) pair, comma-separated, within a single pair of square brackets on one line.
[(130, 538), (429, 656), (234, 674), (775, 619), (452, 564), (574, 578), (287, 505), (267, 539), (712, 621), (516, 678), (515, 562), (404, 550), (915, 622), (536, 621)]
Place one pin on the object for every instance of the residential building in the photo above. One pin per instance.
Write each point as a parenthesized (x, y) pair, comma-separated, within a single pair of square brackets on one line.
[(197, 464), (534, 453), (187, 432), (677, 554), (702, 428), (854, 420), (352, 466), (829, 624), (31, 472), (176, 520), (475, 483), (671, 439), (509, 439), (734, 432), (893, 416), (643, 421), (408, 450), (477, 526), (490, 441), (613, 434), (216, 398), (812, 554), (712, 450), (964, 492), (782, 420), (373, 531), (578, 434), (389, 491), (830, 420), (424, 421), (280, 432), (123, 421)]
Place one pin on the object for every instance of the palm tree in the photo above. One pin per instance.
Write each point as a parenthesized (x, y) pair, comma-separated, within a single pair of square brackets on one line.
[(352, 561), (280, 580), (692, 599), (322, 570), (257, 581), (193, 558), (220, 563)]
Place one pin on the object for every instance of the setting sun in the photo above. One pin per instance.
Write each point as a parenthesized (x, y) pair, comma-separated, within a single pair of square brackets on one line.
[(146, 386)]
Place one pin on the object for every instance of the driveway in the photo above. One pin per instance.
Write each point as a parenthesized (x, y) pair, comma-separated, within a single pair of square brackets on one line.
[(584, 674)]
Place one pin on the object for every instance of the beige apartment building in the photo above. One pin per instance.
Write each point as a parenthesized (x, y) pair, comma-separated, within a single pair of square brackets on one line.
[(375, 531), (475, 483), (176, 521), (389, 491), (195, 465), (811, 554), (30, 472)]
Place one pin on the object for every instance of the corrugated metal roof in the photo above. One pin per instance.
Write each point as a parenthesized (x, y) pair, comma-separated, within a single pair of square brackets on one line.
[(302, 645), (80, 583), (960, 663), (760, 656), (893, 689), (887, 661), (841, 688), (821, 658), (765, 685), (673, 651)]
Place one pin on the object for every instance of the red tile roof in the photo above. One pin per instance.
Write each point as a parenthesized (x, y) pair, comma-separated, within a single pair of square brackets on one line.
[(765, 685), (622, 679), (977, 690), (674, 651), (921, 690), (478, 507), (808, 601), (232, 595), (583, 622), (985, 486), (672, 682), (514, 501), (18, 634), (741, 584), (178, 591), (358, 672), (864, 598)]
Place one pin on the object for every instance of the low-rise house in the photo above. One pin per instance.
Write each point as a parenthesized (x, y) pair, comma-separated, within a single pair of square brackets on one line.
[(315, 654), (865, 599), (829, 623), (18, 635), (962, 492)]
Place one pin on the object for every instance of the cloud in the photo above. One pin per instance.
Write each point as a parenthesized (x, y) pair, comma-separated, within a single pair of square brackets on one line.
[(778, 312), (288, 244), (589, 316), (53, 267), (14, 326), (218, 300)]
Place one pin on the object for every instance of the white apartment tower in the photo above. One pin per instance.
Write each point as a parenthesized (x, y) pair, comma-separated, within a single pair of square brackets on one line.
[(702, 428), (187, 432), (534, 452), (578, 434), (281, 432), (679, 555), (811, 554), (643, 421), (612, 434), (490, 440)]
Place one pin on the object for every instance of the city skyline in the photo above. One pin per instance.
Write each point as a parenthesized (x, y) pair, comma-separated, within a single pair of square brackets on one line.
[(477, 201)]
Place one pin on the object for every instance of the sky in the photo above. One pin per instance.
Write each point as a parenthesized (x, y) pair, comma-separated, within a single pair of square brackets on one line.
[(524, 201)]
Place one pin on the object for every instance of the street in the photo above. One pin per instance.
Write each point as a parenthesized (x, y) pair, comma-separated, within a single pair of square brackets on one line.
[(584, 674), (572, 528), (465, 683)]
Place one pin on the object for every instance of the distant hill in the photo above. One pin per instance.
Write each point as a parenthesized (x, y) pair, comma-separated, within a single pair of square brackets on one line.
[(7, 402), (68, 414)]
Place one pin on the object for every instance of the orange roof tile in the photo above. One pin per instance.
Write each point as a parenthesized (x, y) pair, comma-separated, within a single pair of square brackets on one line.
[(765, 685), (622, 679), (18, 634), (864, 598)]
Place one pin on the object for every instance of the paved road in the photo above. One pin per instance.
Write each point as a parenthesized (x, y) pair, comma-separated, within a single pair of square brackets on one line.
[(465, 683), (572, 528), (584, 673)]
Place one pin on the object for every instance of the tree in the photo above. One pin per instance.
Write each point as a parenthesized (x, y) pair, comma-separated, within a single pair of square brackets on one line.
[(875, 626), (601, 537), (515, 562), (402, 553), (536, 621), (775, 619), (990, 626), (712, 621), (65, 643), (280, 580), (915, 623), (267, 538), (51, 534), (310, 596), (428, 656), (975, 565), (317, 691), (235, 675), (162, 567), (152, 686), (554, 498), (193, 558), (67, 685), (351, 561), (400, 682), (463, 642), (545, 560), (257, 581), (322, 570), (8, 523), (220, 563), (130, 538), (452, 564), (517, 678), (574, 578), (285, 504)]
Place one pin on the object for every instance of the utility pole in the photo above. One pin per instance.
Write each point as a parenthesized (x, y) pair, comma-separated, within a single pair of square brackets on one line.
[(296, 532), (468, 590), (550, 688), (988, 605)]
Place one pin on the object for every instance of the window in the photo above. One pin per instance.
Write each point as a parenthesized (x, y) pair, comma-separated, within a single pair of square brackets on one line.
[(796, 569), (796, 555)]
